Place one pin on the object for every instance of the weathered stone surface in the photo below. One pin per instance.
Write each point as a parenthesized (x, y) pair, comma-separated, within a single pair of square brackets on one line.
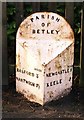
[(44, 57)]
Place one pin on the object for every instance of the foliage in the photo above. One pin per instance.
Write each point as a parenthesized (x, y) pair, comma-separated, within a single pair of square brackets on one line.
[(61, 9), (27, 10), (11, 24), (77, 31)]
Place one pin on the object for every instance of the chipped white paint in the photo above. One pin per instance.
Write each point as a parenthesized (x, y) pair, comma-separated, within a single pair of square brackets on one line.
[(44, 57)]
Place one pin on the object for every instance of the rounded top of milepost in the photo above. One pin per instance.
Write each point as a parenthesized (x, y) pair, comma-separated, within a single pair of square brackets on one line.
[(45, 25)]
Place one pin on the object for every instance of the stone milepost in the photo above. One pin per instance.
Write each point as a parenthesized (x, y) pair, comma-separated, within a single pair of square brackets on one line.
[(44, 57)]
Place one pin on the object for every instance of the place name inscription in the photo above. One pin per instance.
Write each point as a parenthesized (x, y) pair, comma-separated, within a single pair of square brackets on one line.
[(44, 26), (55, 82), (28, 82), (27, 72), (63, 71)]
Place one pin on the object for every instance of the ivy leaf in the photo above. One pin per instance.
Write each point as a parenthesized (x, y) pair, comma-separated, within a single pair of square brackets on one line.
[(10, 31), (79, 30), (11, 10)]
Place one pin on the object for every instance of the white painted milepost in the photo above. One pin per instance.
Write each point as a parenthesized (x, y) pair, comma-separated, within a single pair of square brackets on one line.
[(44, 57)]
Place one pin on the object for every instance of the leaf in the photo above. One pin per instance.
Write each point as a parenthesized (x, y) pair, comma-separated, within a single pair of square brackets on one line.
[(79, 30), (10, 31), (11, 10), (28, 9)]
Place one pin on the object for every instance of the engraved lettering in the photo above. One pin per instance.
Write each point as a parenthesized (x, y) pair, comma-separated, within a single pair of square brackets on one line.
[(42, 16), (32, 19), (38, 31), (33, 31), (37, 17), (28, 82), (43, 24), (57, 19), (43, 31)]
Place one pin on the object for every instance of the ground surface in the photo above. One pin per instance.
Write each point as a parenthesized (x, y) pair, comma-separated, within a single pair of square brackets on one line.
[(16, 106)]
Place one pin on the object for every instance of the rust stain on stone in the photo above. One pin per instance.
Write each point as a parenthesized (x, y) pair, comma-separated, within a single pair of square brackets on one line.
[(50, 94), (39, 53), (58, 65), (49, 68), (18, 60), (31, 96)]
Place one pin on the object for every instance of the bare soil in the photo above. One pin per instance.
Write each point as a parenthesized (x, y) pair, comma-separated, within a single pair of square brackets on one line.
[(16, 106)]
